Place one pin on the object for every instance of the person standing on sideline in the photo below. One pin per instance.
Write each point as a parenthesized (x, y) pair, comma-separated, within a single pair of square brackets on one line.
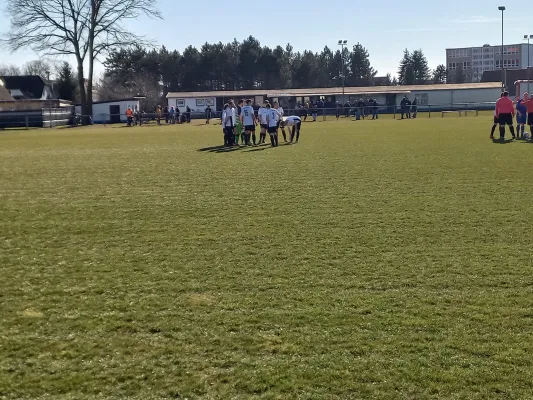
[(414, 107), (207, 114), (172, 115), (188, 114), (337, 110), (375, 109), (129, 116), (521, 116), (403, 104), (408, 107), (505, 113)]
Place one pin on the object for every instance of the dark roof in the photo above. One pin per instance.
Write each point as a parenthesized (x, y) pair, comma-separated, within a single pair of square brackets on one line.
[(31, 86), (4, 94), (112, 101), (512, 75)]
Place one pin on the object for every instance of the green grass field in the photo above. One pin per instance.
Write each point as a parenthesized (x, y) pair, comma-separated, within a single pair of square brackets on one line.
[(373, 260)]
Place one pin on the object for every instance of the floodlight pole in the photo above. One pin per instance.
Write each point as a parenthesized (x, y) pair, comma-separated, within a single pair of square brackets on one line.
[(528, 37), (502, 9), (342, 43)]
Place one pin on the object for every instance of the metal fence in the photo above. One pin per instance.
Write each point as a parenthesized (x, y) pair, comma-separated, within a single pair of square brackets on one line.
[(52, 117)]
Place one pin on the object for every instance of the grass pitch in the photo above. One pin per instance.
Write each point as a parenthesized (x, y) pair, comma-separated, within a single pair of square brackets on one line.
[(373, 260)]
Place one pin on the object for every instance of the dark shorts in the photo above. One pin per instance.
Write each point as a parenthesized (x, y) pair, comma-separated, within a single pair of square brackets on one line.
[(530, 118), (496, 120), (249, 128), (506, 119), (272, 129), (521, 119), (228, 130), (264, 126)]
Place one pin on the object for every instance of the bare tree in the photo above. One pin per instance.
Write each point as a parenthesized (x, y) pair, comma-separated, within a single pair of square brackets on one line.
[(85, 29), (9, 70), (37, 67)]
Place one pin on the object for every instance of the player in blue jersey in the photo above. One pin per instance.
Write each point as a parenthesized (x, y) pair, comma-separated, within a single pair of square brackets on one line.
[(521, 116)]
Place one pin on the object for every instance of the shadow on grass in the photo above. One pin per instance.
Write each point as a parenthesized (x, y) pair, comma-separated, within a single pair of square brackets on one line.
[(500, 141), (220, 149)]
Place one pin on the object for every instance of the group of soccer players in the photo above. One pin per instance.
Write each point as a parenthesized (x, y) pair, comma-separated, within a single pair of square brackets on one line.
[(505, 111), (241, 121)]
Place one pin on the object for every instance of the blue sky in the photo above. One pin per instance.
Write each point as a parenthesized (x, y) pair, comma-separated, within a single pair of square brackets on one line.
[(385, 31)]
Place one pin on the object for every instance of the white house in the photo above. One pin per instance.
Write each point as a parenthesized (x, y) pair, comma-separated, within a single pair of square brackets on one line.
[(196, 104), (111, 111), (434, 95)]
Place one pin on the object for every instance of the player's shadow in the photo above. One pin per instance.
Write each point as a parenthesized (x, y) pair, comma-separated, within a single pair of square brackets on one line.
[(220, 149), (499, 141)]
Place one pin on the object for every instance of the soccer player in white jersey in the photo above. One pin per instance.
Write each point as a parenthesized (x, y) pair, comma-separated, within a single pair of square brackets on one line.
[(273, 120), (281, 113), (229, 125), (262, 115), (248, 121), (296, 124)]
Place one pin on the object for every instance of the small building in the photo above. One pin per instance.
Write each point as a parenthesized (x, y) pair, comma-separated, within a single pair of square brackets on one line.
[(442, 95), (27, 87), (111, 111)]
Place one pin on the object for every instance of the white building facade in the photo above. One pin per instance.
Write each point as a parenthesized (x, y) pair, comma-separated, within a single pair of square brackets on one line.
[(113, 111), (475, 60)]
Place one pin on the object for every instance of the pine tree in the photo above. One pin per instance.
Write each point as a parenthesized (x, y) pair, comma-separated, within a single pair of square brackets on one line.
[(66, 86), (405, 71), (362, 74), (439, 74), (420, 68)]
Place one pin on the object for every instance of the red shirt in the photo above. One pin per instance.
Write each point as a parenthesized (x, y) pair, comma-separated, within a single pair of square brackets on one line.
[(504, 105), (529, 105)]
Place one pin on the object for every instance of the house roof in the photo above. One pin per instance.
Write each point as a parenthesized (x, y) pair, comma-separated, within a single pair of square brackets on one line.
[(30, 86), (112, 101), (512, 76), (4, 94), (334, 91)]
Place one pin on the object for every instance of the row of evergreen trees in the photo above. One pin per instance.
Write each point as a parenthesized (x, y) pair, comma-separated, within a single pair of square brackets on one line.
[(248, 65)]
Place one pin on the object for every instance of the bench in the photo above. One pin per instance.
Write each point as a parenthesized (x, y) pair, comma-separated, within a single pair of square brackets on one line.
[(471, 111)]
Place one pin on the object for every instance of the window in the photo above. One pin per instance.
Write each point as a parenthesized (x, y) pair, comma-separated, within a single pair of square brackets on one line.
[(466, 65), (451, 66), (180, 102)]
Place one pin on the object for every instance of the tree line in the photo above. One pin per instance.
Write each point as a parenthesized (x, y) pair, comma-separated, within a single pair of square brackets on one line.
[(248, 65), (138, 70)]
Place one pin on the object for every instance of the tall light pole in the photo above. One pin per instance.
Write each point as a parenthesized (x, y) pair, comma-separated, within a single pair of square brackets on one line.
[(528, 37), (502, 9), (342, 43)]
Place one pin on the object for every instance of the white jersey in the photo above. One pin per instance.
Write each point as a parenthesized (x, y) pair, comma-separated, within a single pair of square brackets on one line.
[(281, 112), (292, 120), (273, 117), (247, 114), (229, 117), (262, 114)]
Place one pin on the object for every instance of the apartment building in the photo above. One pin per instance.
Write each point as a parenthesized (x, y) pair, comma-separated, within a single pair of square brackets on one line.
[(476, 60)]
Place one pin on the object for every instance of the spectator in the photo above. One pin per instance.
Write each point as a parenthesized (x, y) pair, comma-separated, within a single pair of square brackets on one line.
[(403, 106), (172, 115), (188, 114), (207, 114), (408, 108), (375, 109), (166, 114), (414, 108), (347, 107)]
